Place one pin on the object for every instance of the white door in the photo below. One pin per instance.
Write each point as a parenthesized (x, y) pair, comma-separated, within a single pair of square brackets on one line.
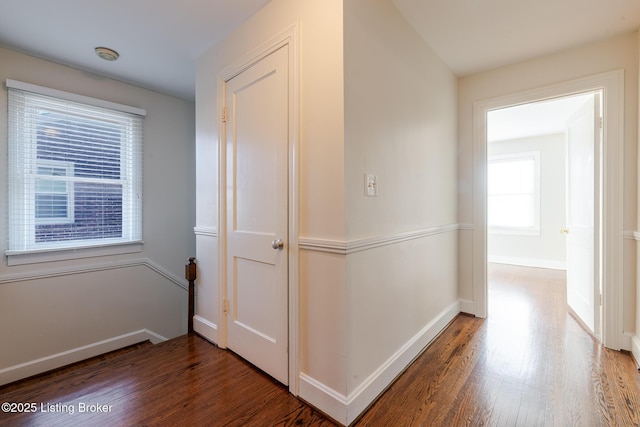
[(582, 230), (257, 135)]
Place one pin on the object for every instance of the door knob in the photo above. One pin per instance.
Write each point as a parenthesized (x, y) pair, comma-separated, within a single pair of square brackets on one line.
[(277, 244), (564, 230)]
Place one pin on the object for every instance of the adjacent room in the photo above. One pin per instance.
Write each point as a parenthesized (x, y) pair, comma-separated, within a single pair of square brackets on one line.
[(543, 192)]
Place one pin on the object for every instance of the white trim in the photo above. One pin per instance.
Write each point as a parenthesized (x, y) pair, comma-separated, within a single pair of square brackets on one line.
[(324, 398), (288, 37), (347, 409), (292, 37), (205, 328), (79, 252), (205, 231), (80, 269), (632, 235), (323, 245), (221, 91), (343, 247), (635, 349), (612, 85), (55, 93), (528, 262), (180, 281), (626, 341), (47, 363), (466, 306)]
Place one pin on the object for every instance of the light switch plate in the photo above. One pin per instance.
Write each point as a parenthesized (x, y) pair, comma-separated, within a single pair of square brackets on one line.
[(370, 185)]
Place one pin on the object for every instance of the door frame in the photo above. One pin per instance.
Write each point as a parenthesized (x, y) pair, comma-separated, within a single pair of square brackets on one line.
[(288, 37), (612, 86)]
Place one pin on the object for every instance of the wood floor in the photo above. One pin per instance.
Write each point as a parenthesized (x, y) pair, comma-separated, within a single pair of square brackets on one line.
[(528, 364)]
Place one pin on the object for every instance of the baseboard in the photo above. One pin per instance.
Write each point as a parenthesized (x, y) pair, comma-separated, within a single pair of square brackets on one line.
[(327, 400), (44, 364), (376, 383), (635, 349), (206, 329), (626, 339), (347, 409), (467, 306), (528, 262)]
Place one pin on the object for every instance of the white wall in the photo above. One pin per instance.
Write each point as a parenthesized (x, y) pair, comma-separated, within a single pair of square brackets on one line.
[(400, 124), (59, 312), (611, 54), (547, 250)]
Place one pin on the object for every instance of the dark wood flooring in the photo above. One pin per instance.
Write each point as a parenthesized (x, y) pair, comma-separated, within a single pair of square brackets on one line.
[(528, 364)]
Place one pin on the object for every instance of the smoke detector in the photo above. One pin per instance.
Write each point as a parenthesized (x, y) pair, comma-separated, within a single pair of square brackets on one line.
[(107, 54)]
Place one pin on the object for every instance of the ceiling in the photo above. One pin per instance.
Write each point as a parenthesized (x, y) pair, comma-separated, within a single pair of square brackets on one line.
[(160, 40), (533, 119), (478, 35)]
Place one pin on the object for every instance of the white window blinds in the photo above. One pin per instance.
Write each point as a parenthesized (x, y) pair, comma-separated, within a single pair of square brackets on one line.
[(75, 170)]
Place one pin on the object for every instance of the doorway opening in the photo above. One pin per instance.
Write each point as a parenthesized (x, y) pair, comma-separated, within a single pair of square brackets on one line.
[(611, 85), (544, 196)]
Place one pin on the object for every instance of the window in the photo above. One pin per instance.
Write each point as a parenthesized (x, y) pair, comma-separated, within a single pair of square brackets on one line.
[(513, 188), (54, 192), (75, 171)]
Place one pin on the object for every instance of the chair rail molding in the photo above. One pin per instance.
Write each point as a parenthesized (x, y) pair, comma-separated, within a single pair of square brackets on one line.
[(90, 268), (206, 231), (344, 247), (633, 235)]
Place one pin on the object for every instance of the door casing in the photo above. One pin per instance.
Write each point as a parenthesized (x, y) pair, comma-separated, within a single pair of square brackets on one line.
[(612, 86), (288, 37)]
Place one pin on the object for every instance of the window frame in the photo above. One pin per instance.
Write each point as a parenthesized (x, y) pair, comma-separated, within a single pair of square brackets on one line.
[(131, 166), (535, 229)]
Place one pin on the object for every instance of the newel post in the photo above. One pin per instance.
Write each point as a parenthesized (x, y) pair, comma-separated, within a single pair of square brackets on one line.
[(190, 275)]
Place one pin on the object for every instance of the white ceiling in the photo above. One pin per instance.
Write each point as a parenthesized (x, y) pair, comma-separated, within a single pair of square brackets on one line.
[(533, 119), (159, 40), (478, 35)]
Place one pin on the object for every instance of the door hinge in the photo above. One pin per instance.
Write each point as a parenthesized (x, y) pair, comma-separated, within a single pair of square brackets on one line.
[(600, 299), (224, 115), (601, 123), (225, 306)]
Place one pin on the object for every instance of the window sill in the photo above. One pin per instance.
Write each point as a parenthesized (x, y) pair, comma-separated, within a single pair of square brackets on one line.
[(49, 255)]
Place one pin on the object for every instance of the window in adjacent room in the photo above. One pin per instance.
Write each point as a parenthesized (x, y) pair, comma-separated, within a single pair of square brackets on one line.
[(513, 187), (75, 171)]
